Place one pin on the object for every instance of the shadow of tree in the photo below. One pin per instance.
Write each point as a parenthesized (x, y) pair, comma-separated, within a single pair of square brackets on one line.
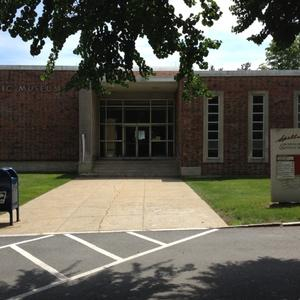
[(29, 280), (264, 278)]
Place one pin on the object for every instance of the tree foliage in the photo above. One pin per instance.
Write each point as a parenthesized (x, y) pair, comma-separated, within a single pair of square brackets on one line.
[(245, 67), (279, 18), (283, 59), (108, 31)]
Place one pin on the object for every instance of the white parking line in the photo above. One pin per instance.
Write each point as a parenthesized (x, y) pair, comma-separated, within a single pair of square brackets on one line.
[(94, 247), (27, 241), (39, 262), (96, 270), (38, 290), (141, 236)]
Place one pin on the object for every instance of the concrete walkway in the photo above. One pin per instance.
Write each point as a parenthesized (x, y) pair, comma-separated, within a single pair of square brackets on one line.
[(114, 204)]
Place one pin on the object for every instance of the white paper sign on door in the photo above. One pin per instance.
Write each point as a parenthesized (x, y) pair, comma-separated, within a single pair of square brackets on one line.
[(141, 135)]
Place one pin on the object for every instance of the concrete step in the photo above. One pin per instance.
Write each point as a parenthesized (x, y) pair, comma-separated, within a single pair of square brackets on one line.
[(136, 168)]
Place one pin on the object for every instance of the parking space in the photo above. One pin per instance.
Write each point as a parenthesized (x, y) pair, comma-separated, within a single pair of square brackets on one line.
[(65, 255), (20, 275), (255, 263), (34, 263)]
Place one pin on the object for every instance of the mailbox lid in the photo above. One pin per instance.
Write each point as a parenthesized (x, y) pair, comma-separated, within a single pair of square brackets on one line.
[(5, 177), (9, 194), (12, 173)]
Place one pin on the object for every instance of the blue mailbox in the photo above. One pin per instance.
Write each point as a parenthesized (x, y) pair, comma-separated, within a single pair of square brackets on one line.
[(9, 192)]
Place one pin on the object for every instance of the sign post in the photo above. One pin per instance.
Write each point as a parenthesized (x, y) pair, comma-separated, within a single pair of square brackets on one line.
[(285, 165)]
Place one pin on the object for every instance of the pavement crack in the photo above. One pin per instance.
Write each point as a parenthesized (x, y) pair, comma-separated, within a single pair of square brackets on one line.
[(116, 193)]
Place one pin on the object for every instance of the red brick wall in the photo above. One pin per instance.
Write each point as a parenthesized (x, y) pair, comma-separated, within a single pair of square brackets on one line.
[(37, 120), (281, 93)]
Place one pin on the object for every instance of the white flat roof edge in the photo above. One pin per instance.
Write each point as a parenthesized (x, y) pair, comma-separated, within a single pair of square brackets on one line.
[(250, 73), (237, 73)]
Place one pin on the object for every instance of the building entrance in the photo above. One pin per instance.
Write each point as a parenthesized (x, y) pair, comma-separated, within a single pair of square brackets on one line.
[(136, 129)]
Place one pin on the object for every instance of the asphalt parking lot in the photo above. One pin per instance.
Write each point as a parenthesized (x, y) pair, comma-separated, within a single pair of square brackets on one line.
[(254, 263)]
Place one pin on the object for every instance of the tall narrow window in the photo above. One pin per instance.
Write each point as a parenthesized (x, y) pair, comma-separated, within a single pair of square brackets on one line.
[(213, 128), (258, 126), (297, 109)]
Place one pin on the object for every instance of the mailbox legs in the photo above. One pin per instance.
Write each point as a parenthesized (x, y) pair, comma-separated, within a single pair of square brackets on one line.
[(11, 216), (18, 215)]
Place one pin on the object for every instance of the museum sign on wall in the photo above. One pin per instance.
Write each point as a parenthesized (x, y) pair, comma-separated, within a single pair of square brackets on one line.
[(285, 165)]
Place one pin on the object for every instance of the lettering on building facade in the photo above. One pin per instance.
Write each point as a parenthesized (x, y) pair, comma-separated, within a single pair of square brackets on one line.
[(29, 88)]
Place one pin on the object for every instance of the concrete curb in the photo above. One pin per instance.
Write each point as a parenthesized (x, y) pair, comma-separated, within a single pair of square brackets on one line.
[(274, 224)]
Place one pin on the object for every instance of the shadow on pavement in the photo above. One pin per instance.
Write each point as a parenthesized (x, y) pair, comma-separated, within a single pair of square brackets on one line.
[(28, 281), (265, 278)]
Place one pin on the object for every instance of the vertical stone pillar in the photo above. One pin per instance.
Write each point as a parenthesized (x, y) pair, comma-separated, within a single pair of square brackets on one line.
[(88, 129)]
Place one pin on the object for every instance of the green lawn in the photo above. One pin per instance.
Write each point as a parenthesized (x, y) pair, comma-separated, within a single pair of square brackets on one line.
[(32, 185), (243, 201)]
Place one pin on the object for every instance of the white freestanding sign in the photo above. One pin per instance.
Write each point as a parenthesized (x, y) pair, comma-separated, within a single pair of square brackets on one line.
[(285, 165)]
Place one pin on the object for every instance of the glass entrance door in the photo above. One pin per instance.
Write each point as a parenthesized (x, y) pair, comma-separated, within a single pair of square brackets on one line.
[(137, 128), (130, 141), (143, 142), (137, 141)]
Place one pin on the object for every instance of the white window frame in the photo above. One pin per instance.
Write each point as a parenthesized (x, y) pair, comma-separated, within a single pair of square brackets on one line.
[(296, 109), (265, 157), (220, 158)]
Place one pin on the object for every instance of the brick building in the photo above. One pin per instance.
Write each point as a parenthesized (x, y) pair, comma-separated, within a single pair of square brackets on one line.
[(146, 129)]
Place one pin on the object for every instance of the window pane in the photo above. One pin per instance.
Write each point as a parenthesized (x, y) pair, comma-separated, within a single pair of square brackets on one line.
[(213, 100), (114, 115), (102, 114), (102, 132), (170, 133), (213, 108), (114, 149), (258, 117), (257, 153), (213, 135), (257, 135), (102, 149), (258, 99), (159, 149), (158, 133), (113, 132), (137, 115), (170, 114), (136, 103), (257, 145), (159, 115), (213, 145), (170, 149), (258, 108), (213, 117), (159, 102), (213, 126), (257, 126), (213, 153)]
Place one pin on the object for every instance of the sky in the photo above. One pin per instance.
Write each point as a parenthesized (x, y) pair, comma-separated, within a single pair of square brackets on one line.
[(234, 51)]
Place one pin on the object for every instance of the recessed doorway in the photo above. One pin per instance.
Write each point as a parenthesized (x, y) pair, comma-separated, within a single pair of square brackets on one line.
[(137, 128)]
